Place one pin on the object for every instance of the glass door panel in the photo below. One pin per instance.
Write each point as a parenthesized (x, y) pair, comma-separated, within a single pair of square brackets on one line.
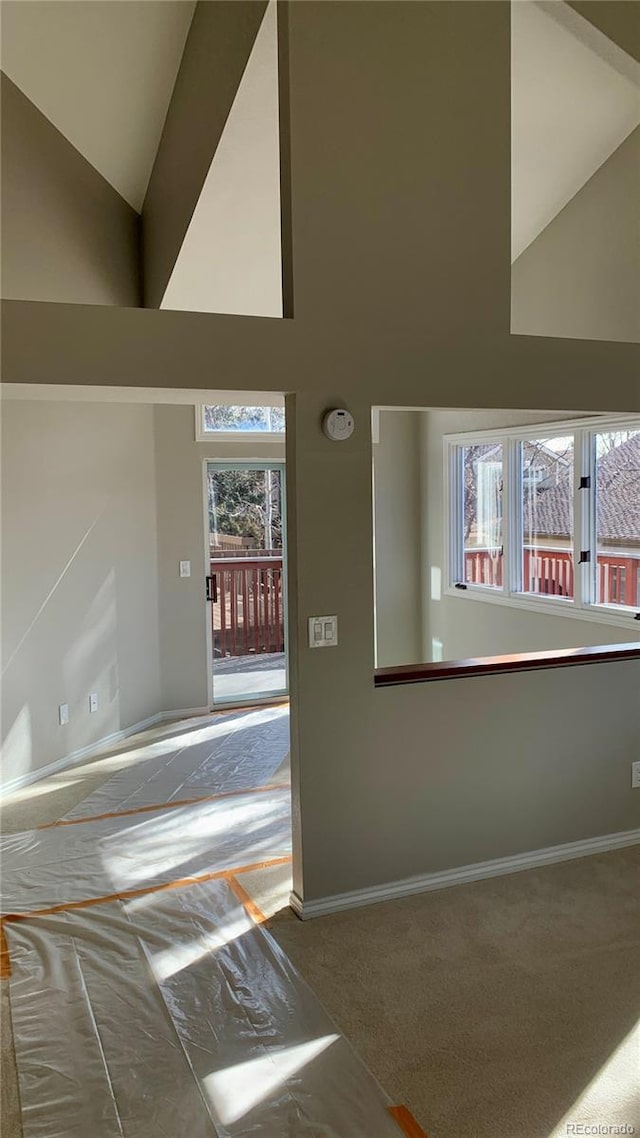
[(247, 582)]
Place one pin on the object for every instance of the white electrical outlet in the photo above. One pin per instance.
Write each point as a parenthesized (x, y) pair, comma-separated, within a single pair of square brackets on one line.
[(635, 775), (185, 568), (63, 714), (93, 701)]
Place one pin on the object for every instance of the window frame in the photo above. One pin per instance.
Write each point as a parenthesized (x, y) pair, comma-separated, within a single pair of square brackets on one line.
[(458, 547), (584, 604)]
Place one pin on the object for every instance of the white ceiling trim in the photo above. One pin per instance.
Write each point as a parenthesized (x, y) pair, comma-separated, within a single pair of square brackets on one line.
[(86, 393)]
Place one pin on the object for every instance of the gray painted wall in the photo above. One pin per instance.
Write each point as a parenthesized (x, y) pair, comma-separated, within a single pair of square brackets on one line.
[(100, 503), (410, 780), (615, 18), (67, 235), (396, 474), (400, 181), (581, 276), (79, 583)]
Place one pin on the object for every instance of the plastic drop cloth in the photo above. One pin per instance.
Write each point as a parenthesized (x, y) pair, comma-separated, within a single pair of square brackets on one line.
[(43, 868), (170, 1014), (173, 1015), (234, 752)]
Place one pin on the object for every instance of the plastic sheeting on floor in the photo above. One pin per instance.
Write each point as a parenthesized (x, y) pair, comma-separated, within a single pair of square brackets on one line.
[(44, 868), (171, 1015), (165, 1011), (238, 751)]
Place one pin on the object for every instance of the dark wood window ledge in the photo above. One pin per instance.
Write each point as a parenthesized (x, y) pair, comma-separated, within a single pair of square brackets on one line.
[(494, 665)]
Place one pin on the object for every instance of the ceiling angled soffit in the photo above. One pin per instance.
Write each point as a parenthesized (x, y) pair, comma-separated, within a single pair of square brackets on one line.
[(231, 257), (575, 97), (102, 73), (619, 20)]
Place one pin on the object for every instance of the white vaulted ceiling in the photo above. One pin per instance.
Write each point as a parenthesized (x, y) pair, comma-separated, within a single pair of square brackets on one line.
[(575, 96), (102, 71)]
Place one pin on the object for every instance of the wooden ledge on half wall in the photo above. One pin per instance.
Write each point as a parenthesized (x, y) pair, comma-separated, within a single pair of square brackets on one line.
[(494, 665)]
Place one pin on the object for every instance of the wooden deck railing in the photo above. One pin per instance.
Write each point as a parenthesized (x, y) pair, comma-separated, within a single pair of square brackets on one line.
[(247, 614), (550, 571)]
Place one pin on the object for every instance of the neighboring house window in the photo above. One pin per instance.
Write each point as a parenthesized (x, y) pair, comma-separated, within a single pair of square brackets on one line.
[(234, 420), (548, 520)]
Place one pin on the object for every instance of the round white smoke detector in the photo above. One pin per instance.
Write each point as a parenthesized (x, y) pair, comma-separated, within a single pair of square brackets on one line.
[(338, 424)]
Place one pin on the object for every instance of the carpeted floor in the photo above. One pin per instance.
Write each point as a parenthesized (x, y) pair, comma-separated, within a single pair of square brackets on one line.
[(502, 1009), (490, 1008)]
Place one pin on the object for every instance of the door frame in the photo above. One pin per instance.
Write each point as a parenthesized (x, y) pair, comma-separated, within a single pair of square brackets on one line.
[(246, 464)]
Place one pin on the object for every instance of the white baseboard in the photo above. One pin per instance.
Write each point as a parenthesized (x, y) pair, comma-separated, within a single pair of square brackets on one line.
[(183, 713), (92, 749), (427, 882)]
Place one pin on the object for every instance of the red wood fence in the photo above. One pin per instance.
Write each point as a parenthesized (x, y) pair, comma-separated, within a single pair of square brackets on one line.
[(247, 613), (550, 572)]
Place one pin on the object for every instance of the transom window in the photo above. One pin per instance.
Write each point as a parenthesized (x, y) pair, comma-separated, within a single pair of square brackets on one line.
[(549, 520), (234, 420)]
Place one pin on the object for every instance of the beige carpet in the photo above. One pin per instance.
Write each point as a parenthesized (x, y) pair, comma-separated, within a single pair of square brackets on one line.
[(489, 1008)]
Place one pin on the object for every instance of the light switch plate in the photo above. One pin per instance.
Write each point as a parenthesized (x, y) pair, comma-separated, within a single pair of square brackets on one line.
[(323, 631), (185, 568)]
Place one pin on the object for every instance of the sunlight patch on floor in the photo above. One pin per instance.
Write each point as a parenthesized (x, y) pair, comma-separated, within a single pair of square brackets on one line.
[(611, 1098), (173, 960), (162, 845), (37, 790), (270, 888), (171, 745), (236, 1090)]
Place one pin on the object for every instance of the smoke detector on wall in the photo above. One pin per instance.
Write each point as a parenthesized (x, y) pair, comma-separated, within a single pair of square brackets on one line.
[(338, 424)]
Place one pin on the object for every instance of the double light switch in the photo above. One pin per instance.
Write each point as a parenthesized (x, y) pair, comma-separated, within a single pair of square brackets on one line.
[(323, 631)]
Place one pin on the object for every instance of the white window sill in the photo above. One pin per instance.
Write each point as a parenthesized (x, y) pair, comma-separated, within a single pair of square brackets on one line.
[(240, 436), (612, 615)]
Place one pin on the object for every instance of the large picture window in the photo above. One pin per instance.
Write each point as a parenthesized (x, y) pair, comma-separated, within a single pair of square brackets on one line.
[(548, 520)]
